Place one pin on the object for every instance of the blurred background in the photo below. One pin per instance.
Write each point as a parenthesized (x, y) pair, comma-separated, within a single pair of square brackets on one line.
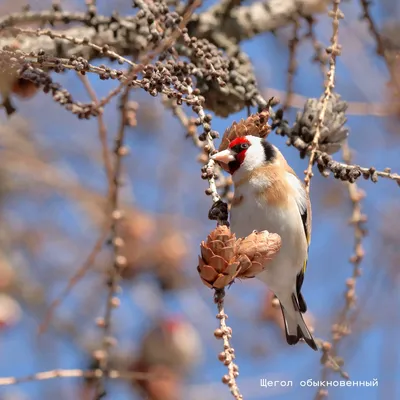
[(52, 199)]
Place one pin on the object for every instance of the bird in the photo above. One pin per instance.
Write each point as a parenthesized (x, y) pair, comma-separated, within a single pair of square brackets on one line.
[(268, 195)]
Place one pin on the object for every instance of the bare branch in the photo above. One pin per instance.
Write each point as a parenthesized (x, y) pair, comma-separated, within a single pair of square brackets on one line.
[(74, 373), (228, 355), (334, 51), (119, 260), (102, 131)]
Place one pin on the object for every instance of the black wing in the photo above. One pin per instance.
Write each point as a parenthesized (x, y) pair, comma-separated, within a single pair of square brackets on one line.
[(300, 276)]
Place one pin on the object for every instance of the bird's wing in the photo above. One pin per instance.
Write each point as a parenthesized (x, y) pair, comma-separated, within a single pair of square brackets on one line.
[(304, 207), (301, 197), (302, 200)]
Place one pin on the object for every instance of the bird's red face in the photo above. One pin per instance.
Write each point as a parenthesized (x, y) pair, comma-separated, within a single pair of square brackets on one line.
[(233, 157)]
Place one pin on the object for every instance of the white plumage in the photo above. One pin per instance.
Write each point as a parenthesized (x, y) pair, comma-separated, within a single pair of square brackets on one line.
[(256, 214)]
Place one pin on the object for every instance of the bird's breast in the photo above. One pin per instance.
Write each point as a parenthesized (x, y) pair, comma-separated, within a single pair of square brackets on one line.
[(249, 214), (254, 211), (260, 209)]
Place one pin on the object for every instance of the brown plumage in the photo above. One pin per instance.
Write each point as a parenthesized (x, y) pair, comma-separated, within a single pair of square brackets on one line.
[(280, 160)]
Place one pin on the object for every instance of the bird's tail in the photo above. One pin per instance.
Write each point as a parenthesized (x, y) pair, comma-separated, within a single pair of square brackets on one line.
[(295, 326)]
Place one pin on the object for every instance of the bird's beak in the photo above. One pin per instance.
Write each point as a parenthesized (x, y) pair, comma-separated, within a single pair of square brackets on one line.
[(224, 157)]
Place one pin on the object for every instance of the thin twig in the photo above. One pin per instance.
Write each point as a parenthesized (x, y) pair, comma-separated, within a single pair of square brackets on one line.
[(222, 182), (354, 107), (319, 55), (292, 65), (380, 47), (342, 327), (79, 274), (149, 56), (104, 50), (100, 241), (357, 220), (44, 17), (223, 332), (351, 172), (334, 51), (102, 130), (187, 122), (75, 373), (326, 163), (228, 355), (119, 261)]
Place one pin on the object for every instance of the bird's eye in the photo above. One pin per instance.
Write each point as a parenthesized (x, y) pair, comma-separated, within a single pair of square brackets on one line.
[(244, 146)]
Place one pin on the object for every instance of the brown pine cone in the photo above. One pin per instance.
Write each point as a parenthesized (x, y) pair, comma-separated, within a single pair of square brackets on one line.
[(223, 258), (254, 251), (255, 125)]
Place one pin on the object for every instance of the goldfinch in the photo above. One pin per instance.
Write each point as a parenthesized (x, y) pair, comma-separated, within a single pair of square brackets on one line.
[(270, 196)]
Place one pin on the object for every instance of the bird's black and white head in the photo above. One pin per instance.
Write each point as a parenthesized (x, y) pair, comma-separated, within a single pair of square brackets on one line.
[(245, 154)]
